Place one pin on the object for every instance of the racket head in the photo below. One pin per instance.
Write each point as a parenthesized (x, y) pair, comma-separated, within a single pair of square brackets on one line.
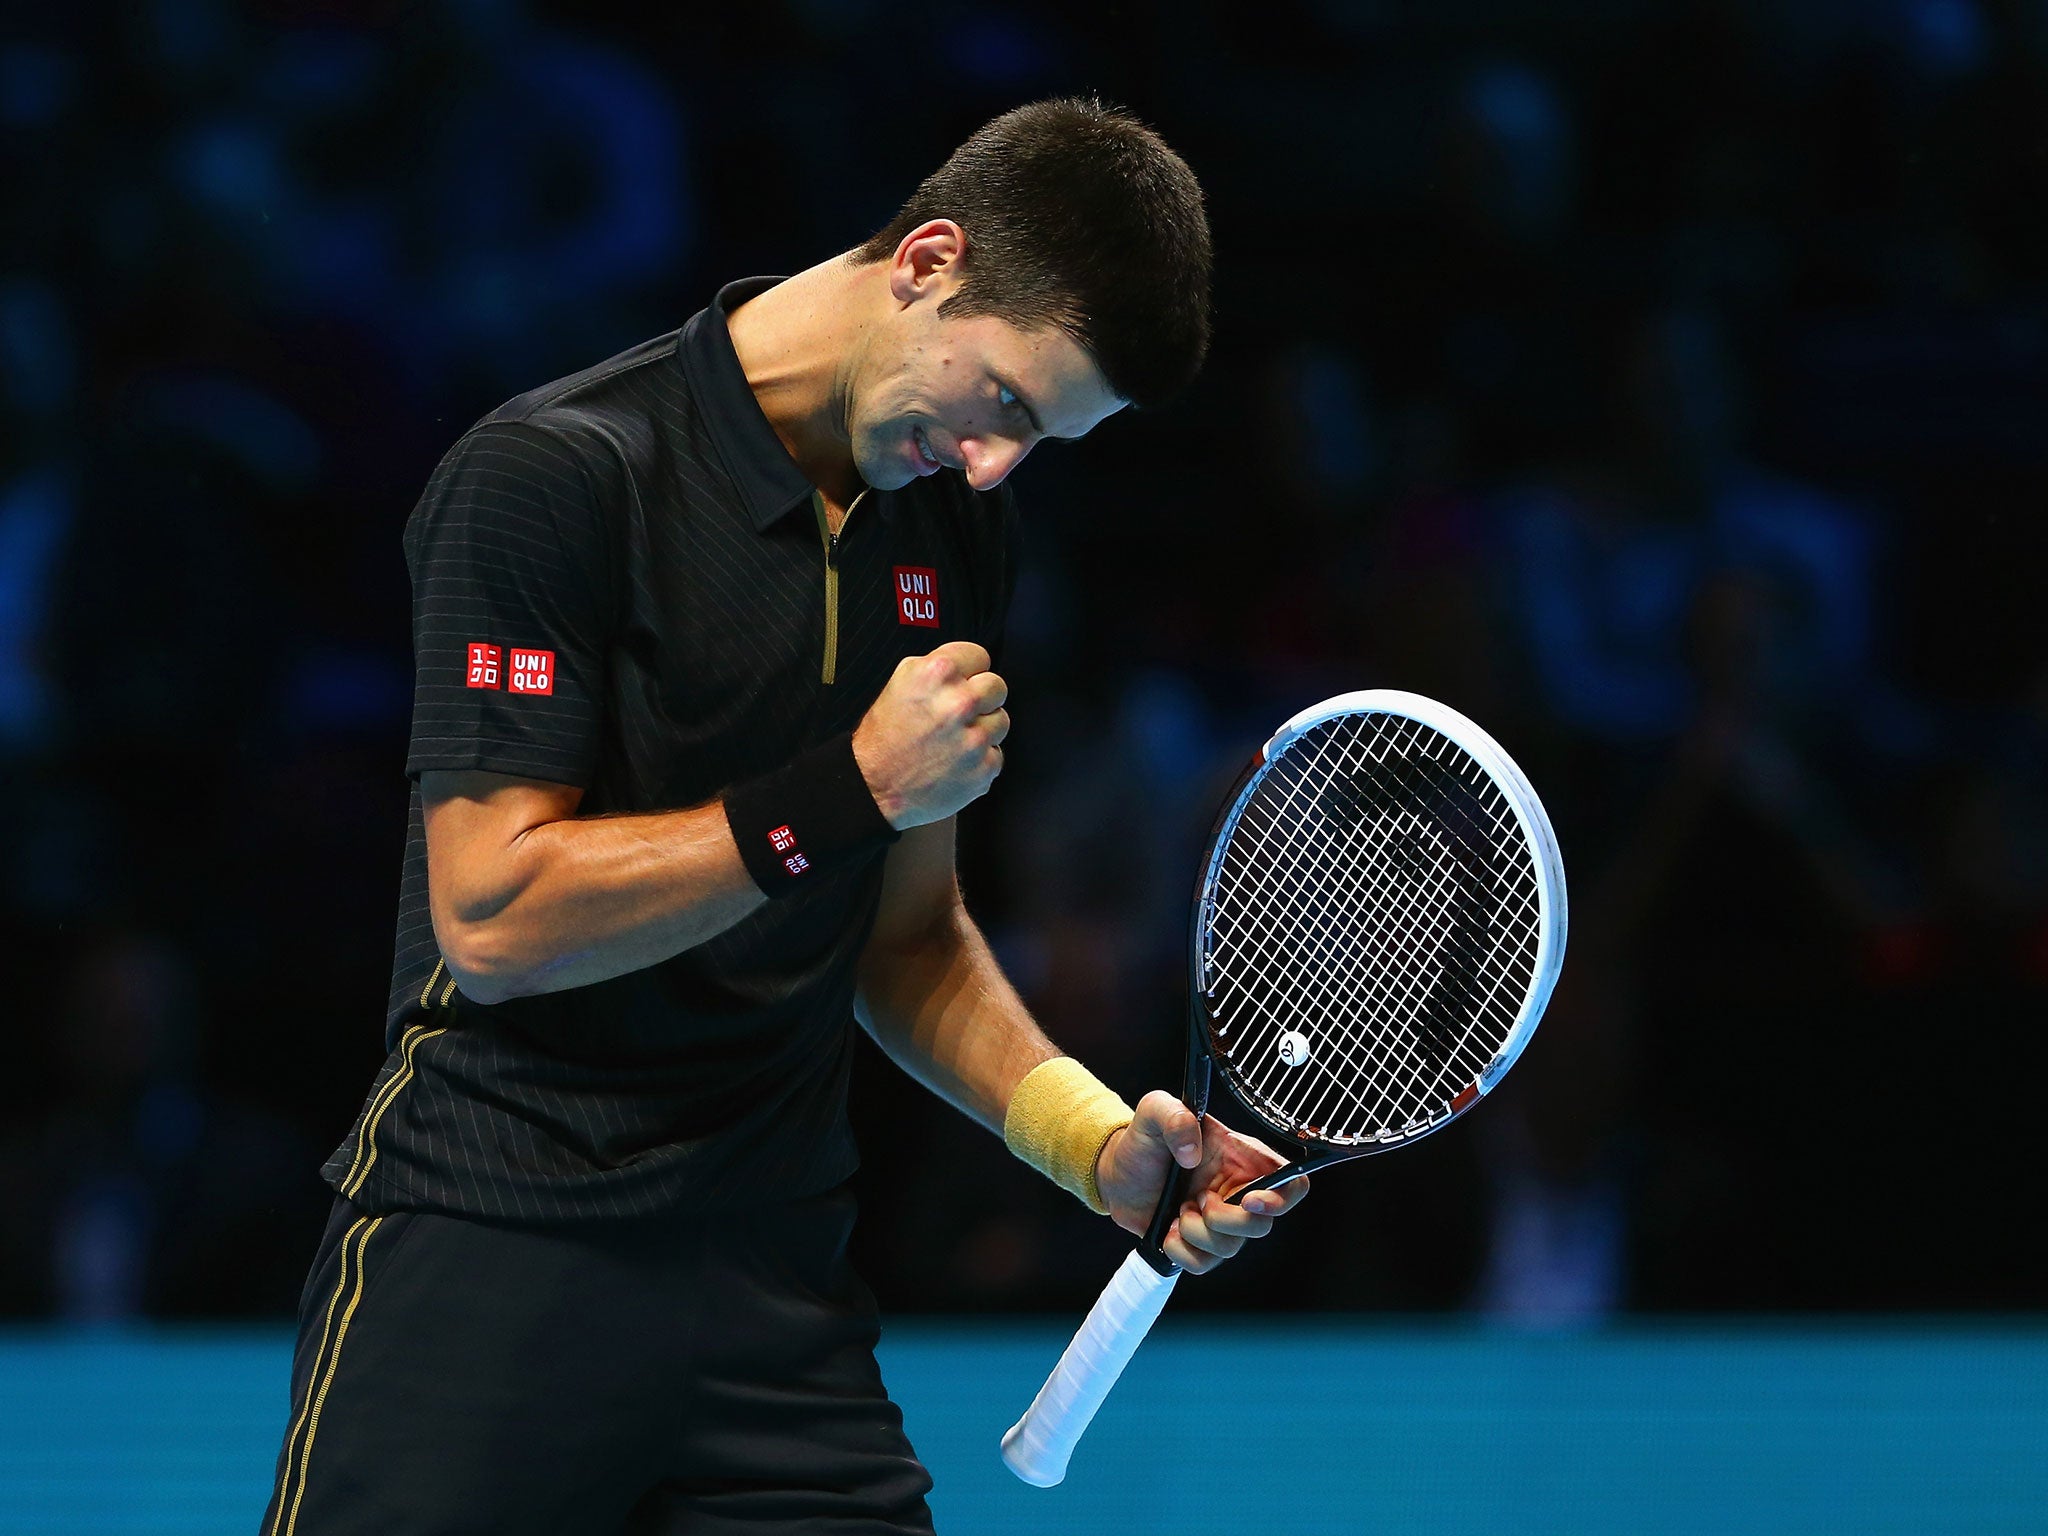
[(1377, 927)]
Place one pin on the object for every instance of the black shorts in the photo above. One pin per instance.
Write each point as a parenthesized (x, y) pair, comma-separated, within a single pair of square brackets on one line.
[(706, 1374)]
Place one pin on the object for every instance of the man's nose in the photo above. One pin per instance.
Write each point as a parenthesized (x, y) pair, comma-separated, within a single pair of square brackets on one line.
[(989, 459)]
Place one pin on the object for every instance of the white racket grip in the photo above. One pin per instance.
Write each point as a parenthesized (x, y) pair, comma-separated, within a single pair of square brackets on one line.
[(1038, 1445)]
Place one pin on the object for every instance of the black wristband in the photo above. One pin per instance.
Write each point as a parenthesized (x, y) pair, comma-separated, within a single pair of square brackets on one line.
[(806, 818)]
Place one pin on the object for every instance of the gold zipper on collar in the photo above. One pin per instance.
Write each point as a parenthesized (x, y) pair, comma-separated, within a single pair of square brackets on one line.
[(830, 671)]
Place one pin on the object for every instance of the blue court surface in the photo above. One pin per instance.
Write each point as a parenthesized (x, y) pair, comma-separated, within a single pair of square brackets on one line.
[(1318, 1427)]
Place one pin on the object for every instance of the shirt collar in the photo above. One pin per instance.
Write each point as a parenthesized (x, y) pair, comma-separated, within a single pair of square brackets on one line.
[(769, 480)]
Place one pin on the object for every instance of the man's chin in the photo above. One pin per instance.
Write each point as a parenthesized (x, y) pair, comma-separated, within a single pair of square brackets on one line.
[(884, 472)]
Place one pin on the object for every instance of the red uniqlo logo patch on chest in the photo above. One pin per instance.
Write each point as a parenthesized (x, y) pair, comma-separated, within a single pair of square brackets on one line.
[(533, 672), (485, 670), (917, 596)]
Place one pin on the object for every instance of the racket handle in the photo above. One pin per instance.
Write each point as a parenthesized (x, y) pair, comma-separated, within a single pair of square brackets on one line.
[(1038, 1445)]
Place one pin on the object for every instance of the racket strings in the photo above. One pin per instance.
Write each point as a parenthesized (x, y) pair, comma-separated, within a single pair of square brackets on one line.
[(1285, 823), (1444, 925), (1412, 1051), (1319, 946), (1353, 967), (1374, 916), (1422, 1043), (1434, 918), (1486, 843), (1403, 1055)]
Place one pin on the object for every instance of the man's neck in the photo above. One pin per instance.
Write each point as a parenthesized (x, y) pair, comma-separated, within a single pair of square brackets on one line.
[(796, 345)]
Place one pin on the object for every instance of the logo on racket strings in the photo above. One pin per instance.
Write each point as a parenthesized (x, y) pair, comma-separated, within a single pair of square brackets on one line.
[(1293, 1048)]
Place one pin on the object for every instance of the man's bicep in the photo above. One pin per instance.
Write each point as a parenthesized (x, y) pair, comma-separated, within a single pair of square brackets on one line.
[(474, 821)]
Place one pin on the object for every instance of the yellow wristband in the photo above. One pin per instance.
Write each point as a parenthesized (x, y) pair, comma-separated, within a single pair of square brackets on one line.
[(1059, 1120)]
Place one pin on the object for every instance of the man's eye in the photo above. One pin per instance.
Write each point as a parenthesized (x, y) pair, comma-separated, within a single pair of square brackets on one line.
[(1004, 395)]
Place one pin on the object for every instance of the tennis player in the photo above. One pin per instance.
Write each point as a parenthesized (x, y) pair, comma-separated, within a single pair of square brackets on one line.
[(703, 638)]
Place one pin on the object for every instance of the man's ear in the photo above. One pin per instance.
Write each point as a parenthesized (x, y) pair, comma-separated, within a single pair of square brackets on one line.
[(928, 262)]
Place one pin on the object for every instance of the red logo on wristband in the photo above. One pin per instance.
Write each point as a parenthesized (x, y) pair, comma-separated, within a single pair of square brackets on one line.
[(796, 863), (917, 596), (484, 669), (781, 839)]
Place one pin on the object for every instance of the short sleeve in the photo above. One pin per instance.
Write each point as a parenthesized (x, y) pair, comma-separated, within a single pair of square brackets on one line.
[(511, 608)]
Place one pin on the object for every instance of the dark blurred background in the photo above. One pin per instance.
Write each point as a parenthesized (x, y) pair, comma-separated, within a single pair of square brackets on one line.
[(1663, 384)]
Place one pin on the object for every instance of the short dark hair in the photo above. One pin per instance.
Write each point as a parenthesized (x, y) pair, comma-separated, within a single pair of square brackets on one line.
[(1077, 215)]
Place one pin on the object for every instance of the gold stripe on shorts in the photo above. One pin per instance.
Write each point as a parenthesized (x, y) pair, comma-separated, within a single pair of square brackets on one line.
[(317, 1398), (308, 1408)]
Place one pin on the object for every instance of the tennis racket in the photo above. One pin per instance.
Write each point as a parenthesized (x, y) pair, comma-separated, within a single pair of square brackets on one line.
[(1376, 930)]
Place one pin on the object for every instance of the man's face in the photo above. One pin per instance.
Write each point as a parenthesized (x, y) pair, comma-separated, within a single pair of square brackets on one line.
[(975, 394)]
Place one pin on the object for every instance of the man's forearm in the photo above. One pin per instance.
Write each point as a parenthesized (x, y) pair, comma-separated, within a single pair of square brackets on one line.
[(582, 900), (943, 1010)]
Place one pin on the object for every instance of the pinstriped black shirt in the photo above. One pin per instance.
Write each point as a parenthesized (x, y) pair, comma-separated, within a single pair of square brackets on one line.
[(620, 582)]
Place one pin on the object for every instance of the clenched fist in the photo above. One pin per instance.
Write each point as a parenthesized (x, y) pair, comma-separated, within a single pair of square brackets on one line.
[(934, 740)]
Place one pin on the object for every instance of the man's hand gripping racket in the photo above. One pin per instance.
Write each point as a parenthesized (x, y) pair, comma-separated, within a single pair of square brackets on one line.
[(1376, 930)]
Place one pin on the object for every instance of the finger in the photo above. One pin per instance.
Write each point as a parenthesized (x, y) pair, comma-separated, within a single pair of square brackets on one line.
[(990, 692), (1193, 1260), (1196, 1261), (961, 658), (1235, 1220), (1166, 1122), (1200, 1229), (1273, 1202), (1258, 1151), (973, 700), (998, 727)]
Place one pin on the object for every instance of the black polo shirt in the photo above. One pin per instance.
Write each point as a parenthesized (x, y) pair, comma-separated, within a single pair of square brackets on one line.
[(622, 582)]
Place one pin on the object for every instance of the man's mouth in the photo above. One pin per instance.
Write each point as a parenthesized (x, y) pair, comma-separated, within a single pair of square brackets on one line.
[(924, 451)]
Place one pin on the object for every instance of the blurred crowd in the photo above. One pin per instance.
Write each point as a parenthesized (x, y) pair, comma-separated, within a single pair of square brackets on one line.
[(1664, 385)]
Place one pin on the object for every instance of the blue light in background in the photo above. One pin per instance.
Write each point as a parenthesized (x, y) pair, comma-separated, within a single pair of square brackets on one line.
[(1244, 1429)]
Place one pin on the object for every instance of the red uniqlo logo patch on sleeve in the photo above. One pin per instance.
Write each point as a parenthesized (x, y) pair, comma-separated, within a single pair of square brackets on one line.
[(781, 839), (796, 863), (533, 672), (484, 668), (917, 596)]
